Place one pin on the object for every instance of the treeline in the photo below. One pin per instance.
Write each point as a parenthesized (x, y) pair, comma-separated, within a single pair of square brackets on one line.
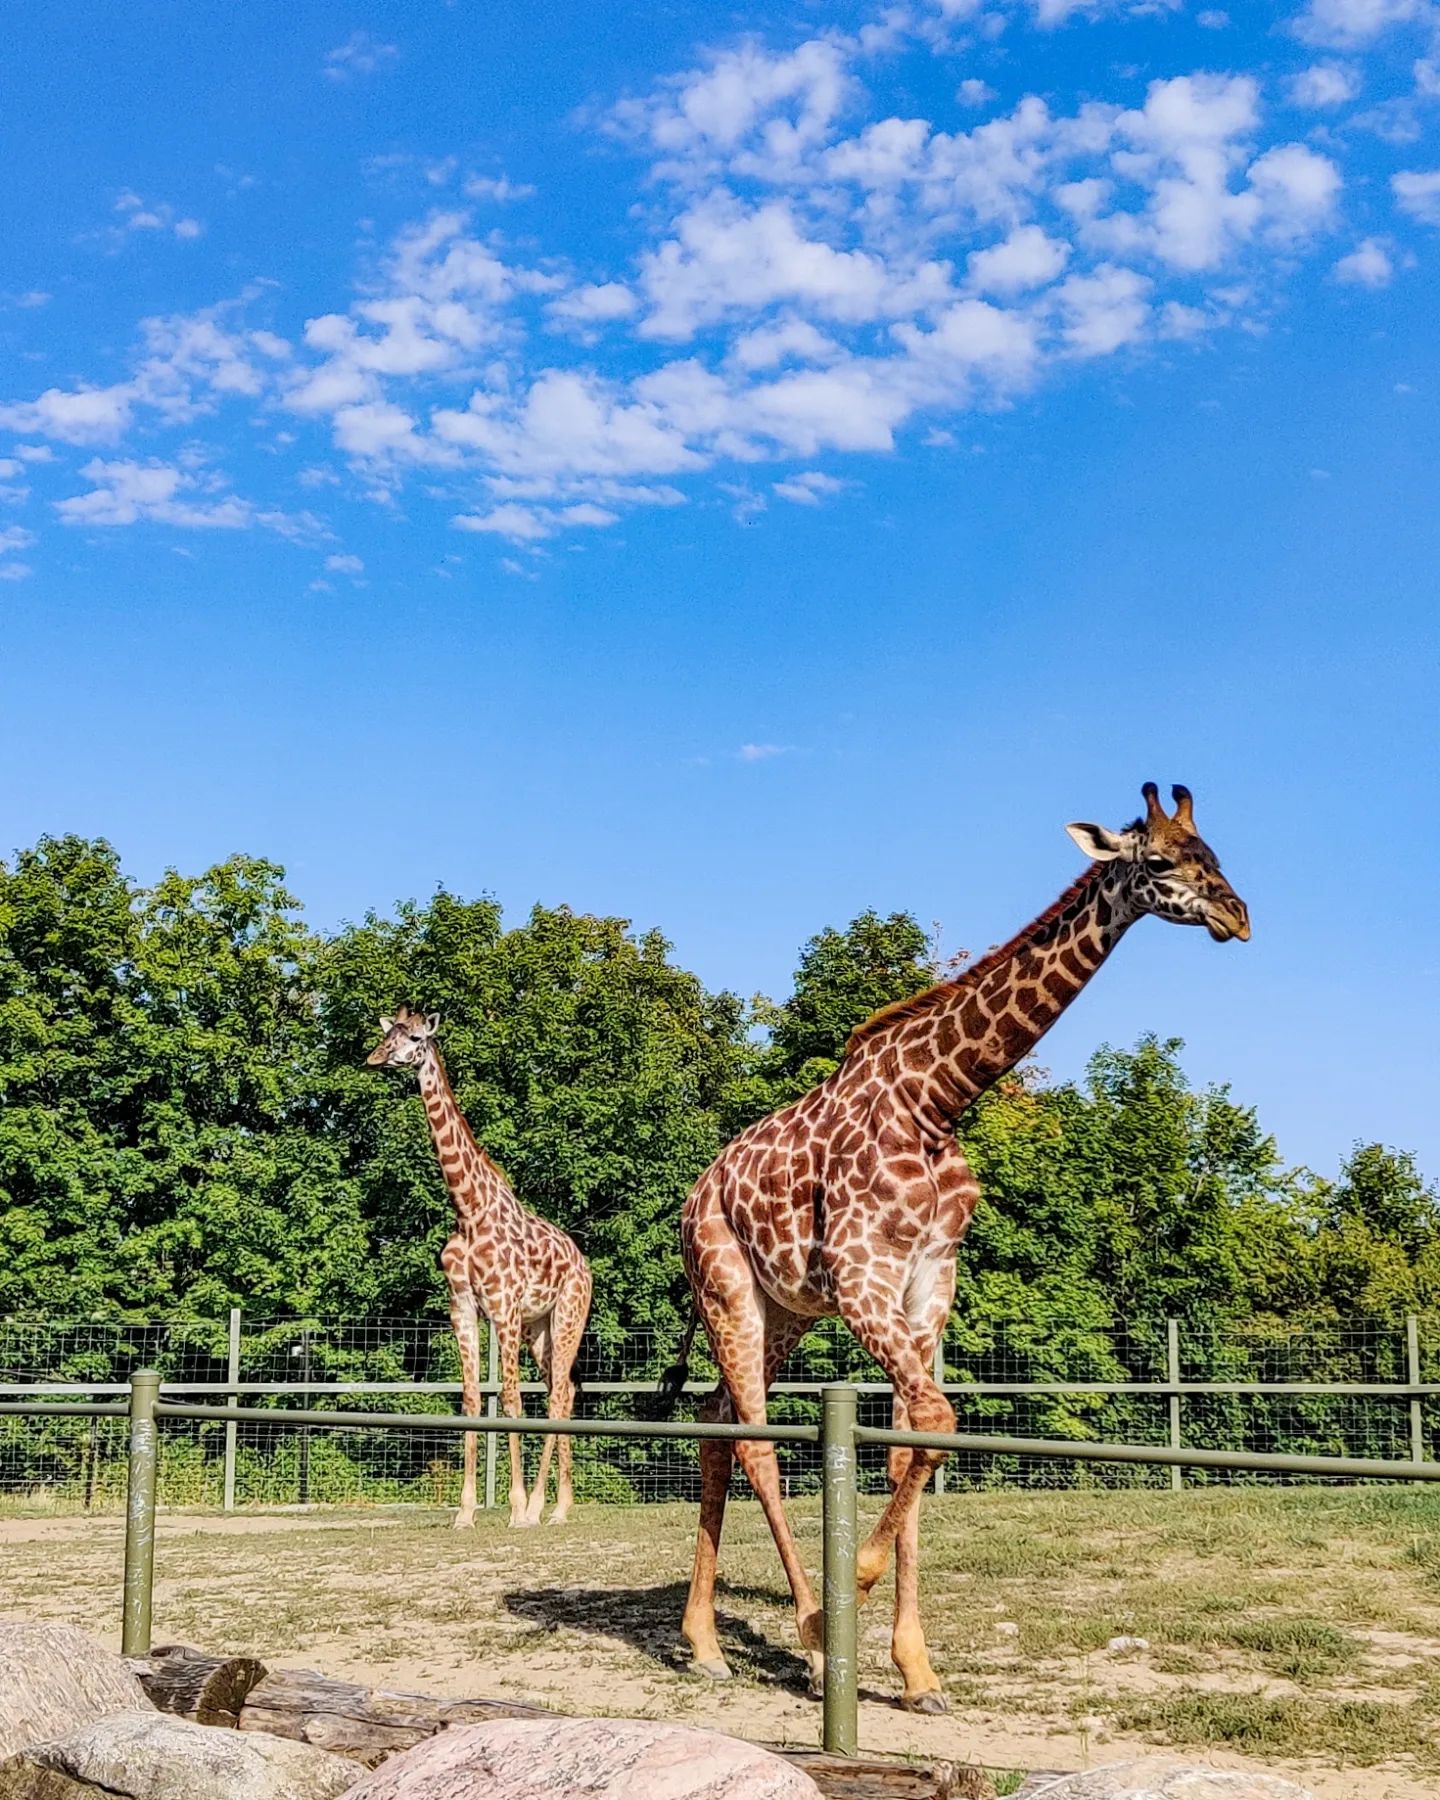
[(185, 1124)]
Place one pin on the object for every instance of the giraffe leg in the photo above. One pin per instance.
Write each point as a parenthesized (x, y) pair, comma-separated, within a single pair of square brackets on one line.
[(509, 1334), (541, 1346), (717, 1459), (922, 1691), (567, 1327), (465, 1319), (879, 1320)]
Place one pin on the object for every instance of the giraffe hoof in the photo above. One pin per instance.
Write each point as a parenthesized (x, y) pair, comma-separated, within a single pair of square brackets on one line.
[(524, 1523), (932, 1701), (716, 1670), (462, 1522)]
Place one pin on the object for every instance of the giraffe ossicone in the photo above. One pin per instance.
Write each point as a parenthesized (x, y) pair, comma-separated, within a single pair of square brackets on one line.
[(853, 1200), (525, 1275)]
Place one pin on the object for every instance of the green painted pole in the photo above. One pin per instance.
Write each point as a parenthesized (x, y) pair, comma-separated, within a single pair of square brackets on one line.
[(140, 1514), (837, 1450)]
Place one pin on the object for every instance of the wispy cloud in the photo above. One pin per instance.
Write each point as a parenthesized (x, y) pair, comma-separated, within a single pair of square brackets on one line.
[(360, 54)]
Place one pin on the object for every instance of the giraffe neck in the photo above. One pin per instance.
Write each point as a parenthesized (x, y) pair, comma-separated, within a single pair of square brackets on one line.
[(997, 1011), (473, 1180)]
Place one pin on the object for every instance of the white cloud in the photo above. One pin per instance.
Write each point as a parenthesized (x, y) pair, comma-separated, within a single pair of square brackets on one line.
[(599, 303), (1104, 311), (754, 753), (1325, 84), (35, 453), (499, 190), (789, 340), (135, 214), (762, 111), (360, 54), (726, 258), (808, 488), (33, 297), (1297, 189), (75, 416), (1367, 265), (1026, 259), (974, 92), (569, 424), (1212, 18), (1417, 192), (1349, 22), (345, 564), (528, 524), (125, 493), (15, 537), (15, 571)]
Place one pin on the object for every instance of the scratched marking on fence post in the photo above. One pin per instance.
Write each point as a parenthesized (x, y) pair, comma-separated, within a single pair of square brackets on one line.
[(837, 1451)]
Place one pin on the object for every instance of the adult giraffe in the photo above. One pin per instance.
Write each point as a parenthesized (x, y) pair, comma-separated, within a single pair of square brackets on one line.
[(854, 1198), (523, 1273)]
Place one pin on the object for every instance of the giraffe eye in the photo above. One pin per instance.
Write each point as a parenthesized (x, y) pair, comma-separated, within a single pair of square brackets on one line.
[(1159, 865)]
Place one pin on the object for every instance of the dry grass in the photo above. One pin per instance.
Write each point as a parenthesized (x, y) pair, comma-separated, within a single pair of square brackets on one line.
[(1285, 1624)]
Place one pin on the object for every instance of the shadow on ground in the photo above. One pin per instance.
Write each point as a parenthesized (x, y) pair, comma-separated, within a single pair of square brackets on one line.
[(648, 1619)]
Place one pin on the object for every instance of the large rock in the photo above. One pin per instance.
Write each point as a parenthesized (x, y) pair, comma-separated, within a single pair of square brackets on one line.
[(152, 1756), (53, 1678), (603, 1759), (1166, 1778)]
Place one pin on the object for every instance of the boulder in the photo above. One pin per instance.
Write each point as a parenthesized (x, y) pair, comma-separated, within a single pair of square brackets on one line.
[(54, 1678), (1167, 1778), (153, 1756), (603, 1759)]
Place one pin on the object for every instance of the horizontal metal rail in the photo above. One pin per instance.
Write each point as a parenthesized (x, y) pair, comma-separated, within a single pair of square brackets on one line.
[(1083, 1450), (526, 1426), (1375, 1390), (65, 1409)]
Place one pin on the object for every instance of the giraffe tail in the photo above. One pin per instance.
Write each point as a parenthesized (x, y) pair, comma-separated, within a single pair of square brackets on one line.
[(672, 1383)]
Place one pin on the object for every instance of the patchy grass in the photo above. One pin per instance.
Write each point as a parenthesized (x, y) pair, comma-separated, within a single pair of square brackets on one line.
[(1280, 1623)]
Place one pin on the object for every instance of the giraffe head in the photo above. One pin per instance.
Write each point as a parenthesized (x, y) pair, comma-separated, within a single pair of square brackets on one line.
[(1165, 867), (407, 1039)]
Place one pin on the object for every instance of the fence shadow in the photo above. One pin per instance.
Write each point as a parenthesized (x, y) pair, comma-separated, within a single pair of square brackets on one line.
[(648, 1619)]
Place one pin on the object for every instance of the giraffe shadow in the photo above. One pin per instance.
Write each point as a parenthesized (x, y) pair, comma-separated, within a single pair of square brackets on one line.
[(647, 1619)]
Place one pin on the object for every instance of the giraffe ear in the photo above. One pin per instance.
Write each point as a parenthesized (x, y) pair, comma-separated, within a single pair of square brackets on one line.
[(432, 1023), (386, 1024), (1097, 843)]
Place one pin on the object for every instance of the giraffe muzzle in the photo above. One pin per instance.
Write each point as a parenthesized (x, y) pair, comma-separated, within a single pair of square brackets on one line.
[(1234, 922)]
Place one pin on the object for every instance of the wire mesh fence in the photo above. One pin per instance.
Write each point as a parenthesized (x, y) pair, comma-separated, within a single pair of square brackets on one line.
[(1049, 1379)]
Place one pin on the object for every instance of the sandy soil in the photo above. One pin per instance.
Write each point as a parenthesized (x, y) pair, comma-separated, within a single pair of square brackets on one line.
[(585, 1620)]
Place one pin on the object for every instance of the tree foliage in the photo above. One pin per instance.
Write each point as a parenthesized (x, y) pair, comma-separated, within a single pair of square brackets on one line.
[(186, 1124)]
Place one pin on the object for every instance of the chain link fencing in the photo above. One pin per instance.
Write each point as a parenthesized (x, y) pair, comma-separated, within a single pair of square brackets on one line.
[(1048, 1379)]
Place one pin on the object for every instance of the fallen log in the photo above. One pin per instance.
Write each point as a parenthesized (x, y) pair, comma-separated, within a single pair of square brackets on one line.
[(365, 1723), (208, 1689), (886, 1778)]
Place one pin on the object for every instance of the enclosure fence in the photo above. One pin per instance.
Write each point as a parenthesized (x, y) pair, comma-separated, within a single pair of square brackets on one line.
[(839, 1438), (1352, 1389)]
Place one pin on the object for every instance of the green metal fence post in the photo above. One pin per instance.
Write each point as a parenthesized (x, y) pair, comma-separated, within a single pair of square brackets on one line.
[(232, 1375), (837, 1451), (1172, 1374), (1417, 1406), (939, 1377), (140, 1514)]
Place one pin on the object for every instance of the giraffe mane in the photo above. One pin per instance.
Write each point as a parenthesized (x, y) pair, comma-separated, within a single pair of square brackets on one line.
[(929, 998)]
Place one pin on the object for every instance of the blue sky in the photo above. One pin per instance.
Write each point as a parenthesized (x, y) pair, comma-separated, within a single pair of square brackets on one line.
[(747, 465)]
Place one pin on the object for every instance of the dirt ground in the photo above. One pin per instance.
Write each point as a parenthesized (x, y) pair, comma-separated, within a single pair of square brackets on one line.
[(1298, 1630)]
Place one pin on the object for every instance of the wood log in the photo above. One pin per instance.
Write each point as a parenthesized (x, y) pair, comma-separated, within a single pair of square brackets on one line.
[(886, 1778), (365, 1723), (208, 1689)]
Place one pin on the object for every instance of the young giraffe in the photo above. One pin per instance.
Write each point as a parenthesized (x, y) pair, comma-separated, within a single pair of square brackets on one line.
[(854, 1198), (524, 1274)]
